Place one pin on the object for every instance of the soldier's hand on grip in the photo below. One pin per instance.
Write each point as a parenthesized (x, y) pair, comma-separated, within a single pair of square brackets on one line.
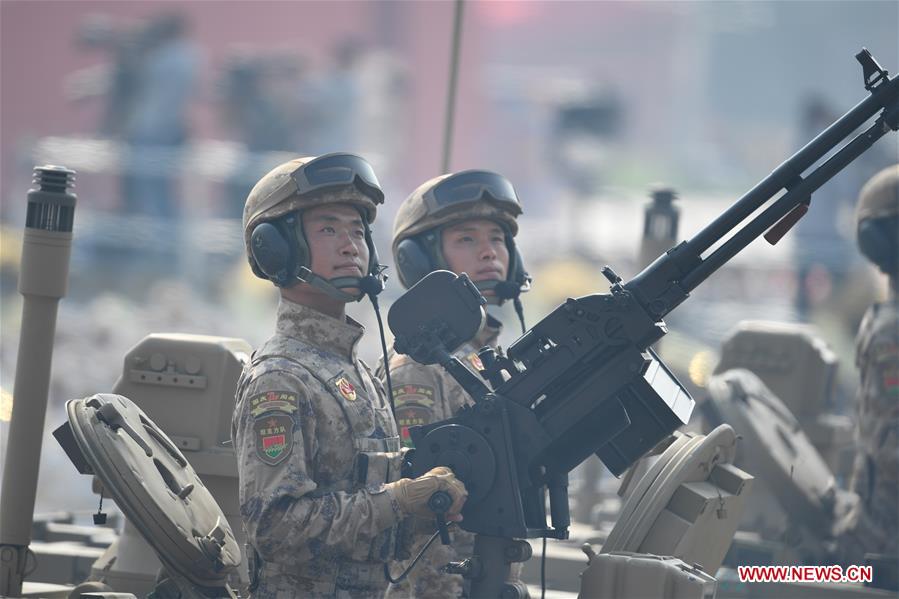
[(413, 494)]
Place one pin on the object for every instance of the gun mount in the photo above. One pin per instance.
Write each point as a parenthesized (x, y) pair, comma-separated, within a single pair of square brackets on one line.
[(584, 379)]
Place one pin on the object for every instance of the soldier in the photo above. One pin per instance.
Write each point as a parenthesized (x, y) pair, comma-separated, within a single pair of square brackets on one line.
[(873, 524), (317, 447), (463, 222)]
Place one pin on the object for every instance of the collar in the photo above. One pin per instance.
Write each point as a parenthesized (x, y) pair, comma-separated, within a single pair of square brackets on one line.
[(318, 329)]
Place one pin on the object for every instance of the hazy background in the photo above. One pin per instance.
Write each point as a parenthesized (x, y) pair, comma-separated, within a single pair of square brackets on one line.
[(170, 111)]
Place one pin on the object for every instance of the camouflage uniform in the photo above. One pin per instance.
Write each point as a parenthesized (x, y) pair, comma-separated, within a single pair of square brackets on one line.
[(426, 394), (315, 443), (422, 395), (873, 525)]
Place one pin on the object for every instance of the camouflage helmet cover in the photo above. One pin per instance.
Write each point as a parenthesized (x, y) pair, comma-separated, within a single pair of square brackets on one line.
[(879, 198), (276, 194), (415, 216)]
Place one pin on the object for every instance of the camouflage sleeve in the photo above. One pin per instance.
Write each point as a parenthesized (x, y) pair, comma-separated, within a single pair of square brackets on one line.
[(878, 361), (880, 373), (286, 519), (417, 395), (879, 413)]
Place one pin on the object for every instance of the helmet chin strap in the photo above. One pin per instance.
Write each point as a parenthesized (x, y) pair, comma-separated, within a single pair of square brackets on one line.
[(333, 287), (493, 285)]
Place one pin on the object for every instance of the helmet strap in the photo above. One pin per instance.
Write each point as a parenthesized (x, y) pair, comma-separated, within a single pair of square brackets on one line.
[(433, 243), (332, 287), (494, 285)]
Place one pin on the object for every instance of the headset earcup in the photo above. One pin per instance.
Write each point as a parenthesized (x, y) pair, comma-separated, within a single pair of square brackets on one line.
[(412, 261), (272, 254), (878, 240)]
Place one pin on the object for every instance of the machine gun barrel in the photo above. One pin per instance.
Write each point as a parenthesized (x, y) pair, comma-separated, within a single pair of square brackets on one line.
[(684, 266), (790, 171), (786, 203)]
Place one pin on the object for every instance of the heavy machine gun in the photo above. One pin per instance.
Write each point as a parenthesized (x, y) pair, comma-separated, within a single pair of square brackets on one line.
[(585, 379)]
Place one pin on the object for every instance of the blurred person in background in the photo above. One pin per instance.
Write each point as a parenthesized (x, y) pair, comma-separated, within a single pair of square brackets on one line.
[(584, 133), (157, 125), (117, 84), (261, 116), (148, 92), (330, 103), (873, 524), (465, 222), (309, 413)]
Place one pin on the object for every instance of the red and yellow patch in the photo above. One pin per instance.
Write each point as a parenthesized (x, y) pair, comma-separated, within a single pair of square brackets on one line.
[(411, 415), (274, 438), (891, 380), (346, 389), (475, 361)]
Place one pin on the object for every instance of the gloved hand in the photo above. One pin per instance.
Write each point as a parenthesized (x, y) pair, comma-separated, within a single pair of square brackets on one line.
[(412, 494)]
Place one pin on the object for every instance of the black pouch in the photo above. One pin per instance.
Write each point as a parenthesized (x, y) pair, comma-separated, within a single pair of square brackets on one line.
[(374, 468)]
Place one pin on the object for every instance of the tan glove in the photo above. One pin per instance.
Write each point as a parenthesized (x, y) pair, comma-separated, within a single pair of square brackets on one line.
[(413, 494)]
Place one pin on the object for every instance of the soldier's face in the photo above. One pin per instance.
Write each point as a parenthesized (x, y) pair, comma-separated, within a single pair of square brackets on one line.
[(336, 237), (476, 247)]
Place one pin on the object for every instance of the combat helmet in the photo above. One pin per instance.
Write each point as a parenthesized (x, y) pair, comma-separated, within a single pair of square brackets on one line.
[(877, 220), (444, 201), (277, 249)]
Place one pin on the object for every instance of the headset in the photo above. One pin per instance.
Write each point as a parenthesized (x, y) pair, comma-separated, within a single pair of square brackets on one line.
[(878, 240)]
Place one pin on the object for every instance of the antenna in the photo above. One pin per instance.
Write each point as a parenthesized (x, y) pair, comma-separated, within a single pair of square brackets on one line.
[(451, 88)]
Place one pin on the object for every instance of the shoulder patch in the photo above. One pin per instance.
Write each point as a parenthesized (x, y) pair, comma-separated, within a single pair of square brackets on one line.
[(414, 394), (274, 438), (885, 350), (272, 401), (890, 379), (411, 415)]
